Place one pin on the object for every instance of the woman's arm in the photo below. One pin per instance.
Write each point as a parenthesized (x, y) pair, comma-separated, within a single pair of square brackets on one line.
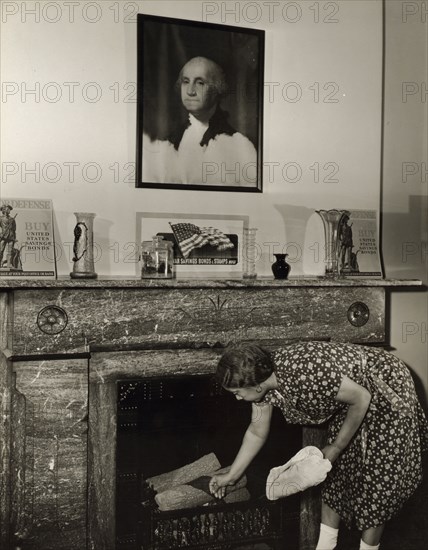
[(253, 441), (358, 399)]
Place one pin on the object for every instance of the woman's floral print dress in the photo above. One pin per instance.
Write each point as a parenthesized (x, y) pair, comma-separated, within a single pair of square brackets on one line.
[(381, 467)]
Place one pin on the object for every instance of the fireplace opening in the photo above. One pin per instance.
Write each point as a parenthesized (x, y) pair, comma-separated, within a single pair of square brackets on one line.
[(168, 423)]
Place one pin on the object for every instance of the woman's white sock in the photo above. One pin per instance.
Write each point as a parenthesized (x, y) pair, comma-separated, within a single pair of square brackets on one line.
[(365, 546), (328, 538)]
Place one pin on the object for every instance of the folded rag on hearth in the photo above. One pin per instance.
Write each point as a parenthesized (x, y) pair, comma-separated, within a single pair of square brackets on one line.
[(305, 469)]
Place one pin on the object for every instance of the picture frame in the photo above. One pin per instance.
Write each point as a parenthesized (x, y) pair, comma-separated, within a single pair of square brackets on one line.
[(209, 260), (199, 105)]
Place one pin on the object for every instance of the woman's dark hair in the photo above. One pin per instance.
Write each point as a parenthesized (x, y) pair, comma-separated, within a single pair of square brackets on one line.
[(244, 366)]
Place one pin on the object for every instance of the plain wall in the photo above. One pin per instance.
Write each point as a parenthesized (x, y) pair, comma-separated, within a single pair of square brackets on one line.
[(337, 53), (405, 177), (80, 63)]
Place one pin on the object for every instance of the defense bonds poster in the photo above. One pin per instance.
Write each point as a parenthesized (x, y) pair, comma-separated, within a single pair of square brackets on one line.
[(27, 247), (359, 248)]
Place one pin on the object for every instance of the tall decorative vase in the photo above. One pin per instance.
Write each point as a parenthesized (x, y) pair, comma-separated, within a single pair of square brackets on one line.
[(83, 247), (331, 221), (249, 253)]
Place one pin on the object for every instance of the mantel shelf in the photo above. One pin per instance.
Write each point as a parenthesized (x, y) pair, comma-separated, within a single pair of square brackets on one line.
[(260, 282)]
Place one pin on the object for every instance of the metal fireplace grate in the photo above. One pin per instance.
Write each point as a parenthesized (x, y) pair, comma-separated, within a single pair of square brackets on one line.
[(223, 526), (149, 411)]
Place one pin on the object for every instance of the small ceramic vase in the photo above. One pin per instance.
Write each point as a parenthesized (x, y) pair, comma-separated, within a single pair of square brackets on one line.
[(280, 268)]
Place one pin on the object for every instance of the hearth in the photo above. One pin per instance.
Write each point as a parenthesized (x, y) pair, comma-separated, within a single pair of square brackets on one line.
[(165, 423)]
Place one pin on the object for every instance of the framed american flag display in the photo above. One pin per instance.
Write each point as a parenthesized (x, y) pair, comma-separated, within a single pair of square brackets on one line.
[(205, 245)]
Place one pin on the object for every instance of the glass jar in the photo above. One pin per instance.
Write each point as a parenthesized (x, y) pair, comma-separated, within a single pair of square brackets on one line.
[(157, 259)]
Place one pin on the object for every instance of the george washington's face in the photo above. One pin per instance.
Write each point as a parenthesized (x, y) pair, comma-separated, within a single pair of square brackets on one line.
[(198, 88)]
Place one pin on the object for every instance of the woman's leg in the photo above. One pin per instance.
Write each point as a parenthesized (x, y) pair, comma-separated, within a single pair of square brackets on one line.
[(329, 528), (329, 516), (371, 536)]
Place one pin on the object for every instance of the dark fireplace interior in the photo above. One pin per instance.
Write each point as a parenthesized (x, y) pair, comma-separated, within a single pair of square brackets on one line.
[(167, 422)]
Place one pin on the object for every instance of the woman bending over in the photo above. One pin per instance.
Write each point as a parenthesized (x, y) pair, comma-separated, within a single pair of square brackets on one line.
[(376, 426)]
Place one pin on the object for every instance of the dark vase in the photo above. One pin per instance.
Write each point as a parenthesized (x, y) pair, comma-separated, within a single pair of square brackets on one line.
[(280, 268)]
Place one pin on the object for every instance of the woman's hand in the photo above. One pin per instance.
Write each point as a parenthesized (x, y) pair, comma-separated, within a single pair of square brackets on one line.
[(331, 452), (219, 483), (253, 441)]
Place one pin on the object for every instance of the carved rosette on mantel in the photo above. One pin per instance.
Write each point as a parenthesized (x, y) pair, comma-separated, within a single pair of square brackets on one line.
[(83, 247), (331, 221)]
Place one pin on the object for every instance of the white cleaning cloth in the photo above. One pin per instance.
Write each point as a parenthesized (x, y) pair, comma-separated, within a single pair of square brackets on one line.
[(306, 469)]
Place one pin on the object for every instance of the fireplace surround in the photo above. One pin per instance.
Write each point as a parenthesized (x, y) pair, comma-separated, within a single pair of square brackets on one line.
[(65, 344)]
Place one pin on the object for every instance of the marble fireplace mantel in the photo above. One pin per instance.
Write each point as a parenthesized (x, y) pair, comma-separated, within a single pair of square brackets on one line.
[(65, 343)]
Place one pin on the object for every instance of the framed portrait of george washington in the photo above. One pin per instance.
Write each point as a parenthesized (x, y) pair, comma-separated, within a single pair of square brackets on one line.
[(199, 105)]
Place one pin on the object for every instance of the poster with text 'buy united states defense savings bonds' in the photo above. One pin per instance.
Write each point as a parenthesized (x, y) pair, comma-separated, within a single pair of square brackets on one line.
[(27, 247), (358, 245)]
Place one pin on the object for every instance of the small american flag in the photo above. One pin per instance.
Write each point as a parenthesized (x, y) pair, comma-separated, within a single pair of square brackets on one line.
[(190, 236)]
